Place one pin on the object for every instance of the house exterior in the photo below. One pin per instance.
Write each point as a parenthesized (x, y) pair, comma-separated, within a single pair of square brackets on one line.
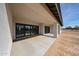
[(19, 21)]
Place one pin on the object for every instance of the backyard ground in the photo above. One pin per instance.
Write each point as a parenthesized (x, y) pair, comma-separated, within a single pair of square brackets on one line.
[(66, 44)]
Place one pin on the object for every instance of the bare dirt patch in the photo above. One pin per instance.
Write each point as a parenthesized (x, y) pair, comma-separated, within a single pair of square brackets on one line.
[(67, 44)]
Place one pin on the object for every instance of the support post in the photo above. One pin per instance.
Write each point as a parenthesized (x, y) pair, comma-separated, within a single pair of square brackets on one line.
[(54, 30), (41, 29)]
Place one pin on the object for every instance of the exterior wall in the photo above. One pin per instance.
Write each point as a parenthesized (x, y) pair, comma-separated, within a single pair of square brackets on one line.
[(59, 29), (51, 29), (14, 32), (10, 19), (54, 29), (41, 29), (5, 33)]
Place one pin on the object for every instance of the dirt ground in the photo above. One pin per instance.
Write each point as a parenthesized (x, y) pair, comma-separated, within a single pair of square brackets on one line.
[(67, 44)]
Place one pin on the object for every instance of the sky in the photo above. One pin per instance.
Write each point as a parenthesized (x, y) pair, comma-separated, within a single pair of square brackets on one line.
[(70, 14)]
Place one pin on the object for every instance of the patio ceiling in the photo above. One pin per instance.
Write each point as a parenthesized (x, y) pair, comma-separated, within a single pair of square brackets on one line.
[(31, 11)]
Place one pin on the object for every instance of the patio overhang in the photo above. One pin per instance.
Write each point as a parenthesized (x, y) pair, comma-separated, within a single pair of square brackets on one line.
[(56, 11), (32, 13)]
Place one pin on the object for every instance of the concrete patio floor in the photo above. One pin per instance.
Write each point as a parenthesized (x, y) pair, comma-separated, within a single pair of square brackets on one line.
[(35, 46)]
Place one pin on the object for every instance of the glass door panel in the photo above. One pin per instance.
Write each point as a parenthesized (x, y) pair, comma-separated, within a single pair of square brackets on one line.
[(19, 30), (27, 30), (34, 30), (47, 29)]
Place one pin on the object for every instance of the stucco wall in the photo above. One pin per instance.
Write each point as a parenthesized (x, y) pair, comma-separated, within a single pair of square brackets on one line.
[(59, 29), (10, 18), (54, 29), (41, 29), (5, 33)]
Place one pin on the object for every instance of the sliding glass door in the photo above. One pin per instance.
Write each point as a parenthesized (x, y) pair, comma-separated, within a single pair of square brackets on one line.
[(47, 29), (25, 30), (19, 30)]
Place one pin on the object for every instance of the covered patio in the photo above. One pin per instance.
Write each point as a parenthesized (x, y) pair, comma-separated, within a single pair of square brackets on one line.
[(35, 46)]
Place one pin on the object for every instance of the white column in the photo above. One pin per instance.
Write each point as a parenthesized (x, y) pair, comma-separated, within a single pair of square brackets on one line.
[(59, 29), (5, 34), (54, 30), (41, 29)]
